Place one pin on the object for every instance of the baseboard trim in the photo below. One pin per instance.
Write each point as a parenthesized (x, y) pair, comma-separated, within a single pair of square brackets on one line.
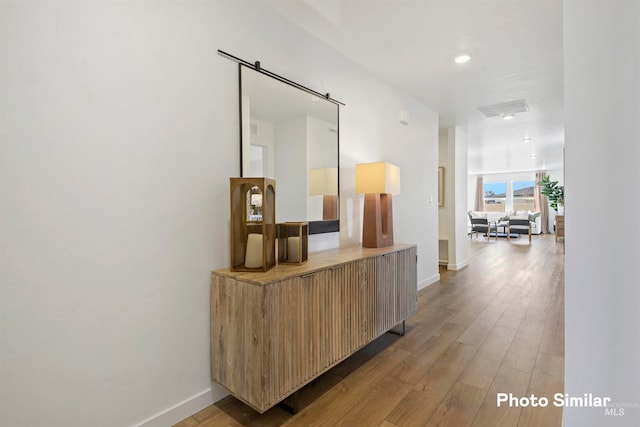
[(184, 409), (458, 266), (428, 281), (208, 397)]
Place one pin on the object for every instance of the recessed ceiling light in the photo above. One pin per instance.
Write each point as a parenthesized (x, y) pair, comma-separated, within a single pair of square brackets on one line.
[(533, 156), (526, 139), (462, 58), (507, 117)]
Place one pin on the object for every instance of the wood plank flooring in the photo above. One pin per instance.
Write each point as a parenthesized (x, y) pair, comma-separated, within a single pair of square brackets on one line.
[(495, 326)]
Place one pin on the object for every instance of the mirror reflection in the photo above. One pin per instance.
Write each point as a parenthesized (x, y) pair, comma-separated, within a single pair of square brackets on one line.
[(292, 136), (254, 200)]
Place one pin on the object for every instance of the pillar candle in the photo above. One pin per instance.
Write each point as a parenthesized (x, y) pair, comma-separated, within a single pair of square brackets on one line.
[(293, 249), (253, 257)]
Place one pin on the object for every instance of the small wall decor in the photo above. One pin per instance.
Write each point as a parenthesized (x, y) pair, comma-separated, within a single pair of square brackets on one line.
[(441, 187), (253, 227), (293, 242)]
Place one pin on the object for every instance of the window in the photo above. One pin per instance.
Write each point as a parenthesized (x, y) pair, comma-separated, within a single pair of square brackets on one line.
[(523, 195), (495, 196)]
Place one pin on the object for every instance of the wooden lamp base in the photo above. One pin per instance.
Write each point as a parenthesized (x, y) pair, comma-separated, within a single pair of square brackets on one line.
[(377, 224), (329, 207)]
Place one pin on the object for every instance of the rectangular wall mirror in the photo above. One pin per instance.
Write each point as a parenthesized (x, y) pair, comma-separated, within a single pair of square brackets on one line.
[(292, 136)]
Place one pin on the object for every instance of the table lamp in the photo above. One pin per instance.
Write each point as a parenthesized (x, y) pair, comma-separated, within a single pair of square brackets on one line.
[(377, 181), (324, 182)]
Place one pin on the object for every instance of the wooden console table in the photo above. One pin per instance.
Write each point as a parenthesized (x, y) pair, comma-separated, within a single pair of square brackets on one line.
[(274, 332)]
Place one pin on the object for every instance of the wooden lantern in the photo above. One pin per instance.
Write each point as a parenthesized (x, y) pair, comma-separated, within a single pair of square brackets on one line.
[(253, 226), (293, 242)]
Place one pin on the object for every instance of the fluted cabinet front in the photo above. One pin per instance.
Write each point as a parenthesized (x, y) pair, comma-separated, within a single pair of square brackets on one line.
[(274, 332)]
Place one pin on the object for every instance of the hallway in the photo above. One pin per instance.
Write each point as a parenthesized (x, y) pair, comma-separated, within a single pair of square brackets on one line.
[(496, 326)]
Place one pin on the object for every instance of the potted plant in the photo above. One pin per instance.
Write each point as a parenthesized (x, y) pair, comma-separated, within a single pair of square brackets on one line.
[(553, 191)]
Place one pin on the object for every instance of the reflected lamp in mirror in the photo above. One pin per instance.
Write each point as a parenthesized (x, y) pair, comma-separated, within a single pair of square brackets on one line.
[(324, 182), (377, 181)]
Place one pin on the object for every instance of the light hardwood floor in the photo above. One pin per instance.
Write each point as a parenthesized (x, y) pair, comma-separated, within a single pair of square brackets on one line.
[(496, 326)]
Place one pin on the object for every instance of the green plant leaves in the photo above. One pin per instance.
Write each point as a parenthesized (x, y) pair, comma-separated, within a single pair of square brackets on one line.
[(553, 191)]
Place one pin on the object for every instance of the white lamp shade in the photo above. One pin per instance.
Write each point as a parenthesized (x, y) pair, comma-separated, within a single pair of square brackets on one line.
[(323, 182), (380, 178), (256, 199)]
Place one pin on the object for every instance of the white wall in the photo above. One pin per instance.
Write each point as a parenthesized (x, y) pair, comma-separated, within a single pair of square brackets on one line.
[(453, 218), (413, 148), (602, 124), (119, 135), (443, 160), (443, 212), (456, 198), (290, 137), (264, 141)]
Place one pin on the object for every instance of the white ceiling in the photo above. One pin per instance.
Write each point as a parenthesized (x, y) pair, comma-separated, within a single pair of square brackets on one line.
[(516, 48)]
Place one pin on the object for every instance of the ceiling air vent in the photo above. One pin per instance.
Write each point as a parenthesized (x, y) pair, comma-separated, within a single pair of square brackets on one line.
[(499, 110)]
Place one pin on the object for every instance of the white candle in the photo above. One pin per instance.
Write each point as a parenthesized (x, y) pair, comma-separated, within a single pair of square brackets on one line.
[(253, 257), (293, 249)]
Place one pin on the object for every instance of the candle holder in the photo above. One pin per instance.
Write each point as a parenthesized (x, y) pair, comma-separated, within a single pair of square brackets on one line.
[(253, 226), (293, 242)]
